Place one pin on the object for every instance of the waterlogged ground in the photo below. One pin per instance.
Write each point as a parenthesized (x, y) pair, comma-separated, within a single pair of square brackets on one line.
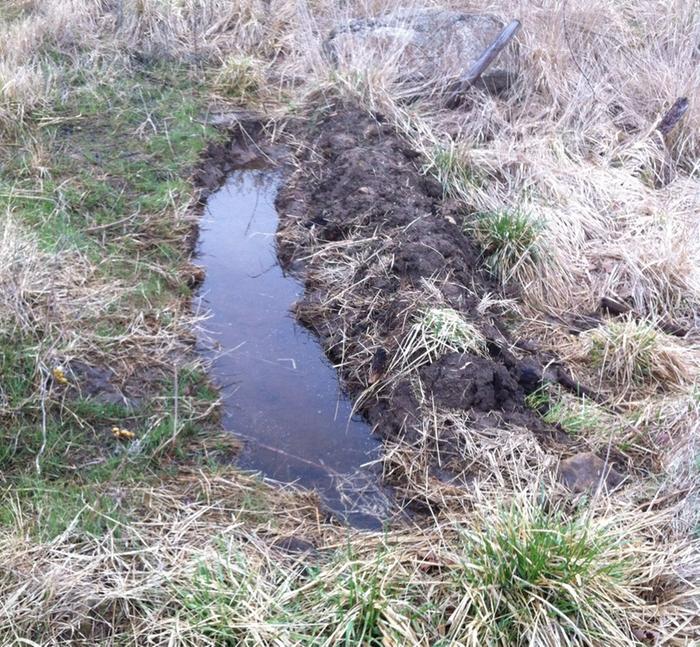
[(280, 393)]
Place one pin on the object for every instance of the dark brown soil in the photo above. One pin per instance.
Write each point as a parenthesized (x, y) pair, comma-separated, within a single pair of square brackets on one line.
[(242, 146), (357, 180)]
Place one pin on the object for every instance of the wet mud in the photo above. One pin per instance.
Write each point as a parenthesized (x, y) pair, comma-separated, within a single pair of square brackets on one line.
[(371, 240)]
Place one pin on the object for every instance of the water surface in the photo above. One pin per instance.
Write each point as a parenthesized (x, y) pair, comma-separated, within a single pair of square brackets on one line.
[(280, 393)]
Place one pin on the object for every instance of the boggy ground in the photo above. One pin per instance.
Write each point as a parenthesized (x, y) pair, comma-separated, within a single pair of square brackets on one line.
[(378, 247)]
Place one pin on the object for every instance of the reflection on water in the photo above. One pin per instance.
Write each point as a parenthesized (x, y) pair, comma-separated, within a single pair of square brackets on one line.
[(279, 391)]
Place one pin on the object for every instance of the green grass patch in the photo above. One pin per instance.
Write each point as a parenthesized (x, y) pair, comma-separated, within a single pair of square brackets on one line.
[(578, 417), (529, 567), (348, 600), (17, 367), (359, 596), (114, 165), (509, 240), (449, 166), (78, 432), (47, 508), (174, 428), (221, 594), (104, 170)]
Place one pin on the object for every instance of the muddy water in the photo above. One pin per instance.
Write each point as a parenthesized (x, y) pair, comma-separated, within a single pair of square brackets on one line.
[(280, 393)]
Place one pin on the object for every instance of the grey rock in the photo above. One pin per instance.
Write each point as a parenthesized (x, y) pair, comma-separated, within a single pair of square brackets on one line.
[(295, 546), (232, 119), (585, 472), (436, 46)]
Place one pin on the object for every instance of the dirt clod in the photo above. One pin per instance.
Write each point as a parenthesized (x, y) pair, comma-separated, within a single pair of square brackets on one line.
[(463, 381), (294, 546)]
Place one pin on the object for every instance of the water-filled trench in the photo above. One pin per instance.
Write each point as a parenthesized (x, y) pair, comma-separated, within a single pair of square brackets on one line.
[(280, 394)]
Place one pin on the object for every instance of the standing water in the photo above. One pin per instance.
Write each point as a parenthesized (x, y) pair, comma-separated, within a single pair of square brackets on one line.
[(279, 392)]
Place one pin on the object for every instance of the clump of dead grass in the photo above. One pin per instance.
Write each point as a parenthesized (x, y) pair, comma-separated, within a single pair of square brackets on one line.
[(452, 461), (240, 78), (47, 295), (631, 354), (435, 332)]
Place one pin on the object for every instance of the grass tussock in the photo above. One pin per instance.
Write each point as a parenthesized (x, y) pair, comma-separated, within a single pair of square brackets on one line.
[(241, 78), (509, 241), (532, 575), (438, 331), (630, 355)]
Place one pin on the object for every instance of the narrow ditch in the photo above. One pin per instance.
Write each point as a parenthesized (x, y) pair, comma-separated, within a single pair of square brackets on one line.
[(375, 244), (280, 394)]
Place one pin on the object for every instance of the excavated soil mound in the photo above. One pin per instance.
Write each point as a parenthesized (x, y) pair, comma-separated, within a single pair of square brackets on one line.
[(366, 229)]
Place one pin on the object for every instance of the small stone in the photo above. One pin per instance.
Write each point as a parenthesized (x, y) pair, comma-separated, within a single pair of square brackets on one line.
[(294, 546), (378, 365), (582, 472), (194, 275)]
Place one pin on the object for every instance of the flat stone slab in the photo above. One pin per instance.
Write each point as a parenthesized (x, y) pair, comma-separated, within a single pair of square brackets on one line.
[(429, 46), (295, 546), (585, 472)]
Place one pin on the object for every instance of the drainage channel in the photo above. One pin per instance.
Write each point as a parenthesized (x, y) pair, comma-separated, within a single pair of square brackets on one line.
[(280, 393)]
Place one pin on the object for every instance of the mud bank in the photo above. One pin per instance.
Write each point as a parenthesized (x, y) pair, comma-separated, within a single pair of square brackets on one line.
[(374, 242)]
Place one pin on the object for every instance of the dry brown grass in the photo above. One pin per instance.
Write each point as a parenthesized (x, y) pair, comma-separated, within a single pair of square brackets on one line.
[(575, 148), (198, 567), (453, 462)]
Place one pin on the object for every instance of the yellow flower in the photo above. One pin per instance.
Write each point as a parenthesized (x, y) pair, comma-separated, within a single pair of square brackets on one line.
[(59, 375), (123, 434)]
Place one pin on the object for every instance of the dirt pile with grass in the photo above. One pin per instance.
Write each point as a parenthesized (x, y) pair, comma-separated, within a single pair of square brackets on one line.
[(395, 288)]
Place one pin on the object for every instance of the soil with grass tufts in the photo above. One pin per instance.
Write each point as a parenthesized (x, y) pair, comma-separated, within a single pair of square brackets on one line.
[(367, 231)]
